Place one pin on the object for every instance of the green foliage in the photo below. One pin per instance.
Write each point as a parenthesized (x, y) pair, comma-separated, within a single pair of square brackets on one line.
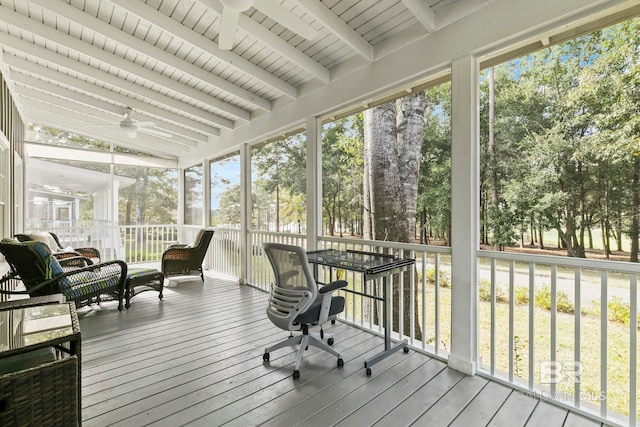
[(445, 280), (542, 299), (522, 295), (484, 292)]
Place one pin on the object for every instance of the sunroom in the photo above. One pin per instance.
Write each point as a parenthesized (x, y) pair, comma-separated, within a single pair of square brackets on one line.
[(293, 121)]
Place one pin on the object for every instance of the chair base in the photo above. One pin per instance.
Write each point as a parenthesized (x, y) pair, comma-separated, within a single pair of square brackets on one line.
[(305, 340)]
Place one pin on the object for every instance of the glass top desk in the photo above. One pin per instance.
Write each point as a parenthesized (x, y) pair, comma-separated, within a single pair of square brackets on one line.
[(49, 325), (371, 266)]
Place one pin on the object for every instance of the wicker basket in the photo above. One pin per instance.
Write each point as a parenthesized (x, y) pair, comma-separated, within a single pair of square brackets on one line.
[(46, 395)]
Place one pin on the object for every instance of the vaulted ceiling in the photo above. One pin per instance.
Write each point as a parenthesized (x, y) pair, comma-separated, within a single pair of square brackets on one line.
[(84, 66)]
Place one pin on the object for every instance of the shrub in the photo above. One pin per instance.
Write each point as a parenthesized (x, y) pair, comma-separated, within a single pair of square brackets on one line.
[(543, 300), (445, 280), (522, 295), (484, 292)]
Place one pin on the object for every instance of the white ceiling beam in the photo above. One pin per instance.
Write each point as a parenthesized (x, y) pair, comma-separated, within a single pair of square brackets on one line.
[(158, 19), (25, 24), (268, 38), (50, 116), (82, 110), (422, 12), (58, 152), (98, 104), (30, 49), (100, 27), (340, 28)]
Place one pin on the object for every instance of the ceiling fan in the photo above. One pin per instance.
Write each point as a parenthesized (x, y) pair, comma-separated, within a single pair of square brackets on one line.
[(231, 10), (131, 126)]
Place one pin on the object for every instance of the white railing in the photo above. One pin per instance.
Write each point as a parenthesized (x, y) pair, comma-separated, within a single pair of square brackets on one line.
[(562, 328), (132, 243), (225, 252)]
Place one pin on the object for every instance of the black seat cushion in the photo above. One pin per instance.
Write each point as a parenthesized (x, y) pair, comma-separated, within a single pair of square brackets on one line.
[(313, 313)]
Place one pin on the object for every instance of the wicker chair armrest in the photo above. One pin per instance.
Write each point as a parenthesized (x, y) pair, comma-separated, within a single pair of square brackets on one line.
[(66, 254), (177, 253), (177, 246), (75, 261), (11, 275), (88, 252)]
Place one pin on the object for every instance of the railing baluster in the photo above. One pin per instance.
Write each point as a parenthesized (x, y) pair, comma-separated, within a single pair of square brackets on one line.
[(554, 313), (492, 344), (633, 344), (512, 342), (604, 318), (576, 333)]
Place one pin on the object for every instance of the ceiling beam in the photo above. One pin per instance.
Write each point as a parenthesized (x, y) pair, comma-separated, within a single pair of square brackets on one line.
[(422, 12), (270, 39), (340, 28), (158, 19), (100, 27), (30, 49), (24, 24), (51, 116)]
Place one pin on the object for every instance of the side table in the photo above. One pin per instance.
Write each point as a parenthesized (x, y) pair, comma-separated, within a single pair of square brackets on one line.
[(34, 391)]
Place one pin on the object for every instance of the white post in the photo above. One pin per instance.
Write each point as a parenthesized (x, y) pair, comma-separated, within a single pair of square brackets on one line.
[(245, 213), (465, 193), (314, 182)]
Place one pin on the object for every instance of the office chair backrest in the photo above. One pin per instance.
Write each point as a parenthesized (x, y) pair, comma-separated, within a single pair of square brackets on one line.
[(294, 289)]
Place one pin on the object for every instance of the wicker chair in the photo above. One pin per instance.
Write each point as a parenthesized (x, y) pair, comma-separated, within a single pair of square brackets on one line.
[(186, 260), (58, 250), (43, 274)]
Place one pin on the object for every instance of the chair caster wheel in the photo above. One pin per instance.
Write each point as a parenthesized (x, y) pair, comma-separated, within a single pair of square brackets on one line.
[(265, 357), (296, 375), (340, 363), (333, 322), (330, 341), (406, 349), (368, 372)]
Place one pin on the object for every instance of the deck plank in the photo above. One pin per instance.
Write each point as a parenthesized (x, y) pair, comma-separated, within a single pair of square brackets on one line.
[(195, 358), (515, 411), (484, 406)]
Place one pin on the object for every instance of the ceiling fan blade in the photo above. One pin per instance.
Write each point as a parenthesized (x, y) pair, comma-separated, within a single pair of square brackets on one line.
[(155, 132), (228, 25), (143, 124), (286, 18)]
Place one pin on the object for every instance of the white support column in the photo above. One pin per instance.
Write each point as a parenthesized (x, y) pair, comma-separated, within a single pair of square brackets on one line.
[(245, 213), (206, 196), (314, 182), (465, 193)]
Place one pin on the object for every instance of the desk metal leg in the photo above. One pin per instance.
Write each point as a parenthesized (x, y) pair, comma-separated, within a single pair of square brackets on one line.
[(388, 327)]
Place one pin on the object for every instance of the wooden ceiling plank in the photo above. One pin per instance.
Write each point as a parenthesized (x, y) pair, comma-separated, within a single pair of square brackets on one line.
[(131, 42), (113, 80), (257, 31), (179, 31), (52, 35), (340, 28)]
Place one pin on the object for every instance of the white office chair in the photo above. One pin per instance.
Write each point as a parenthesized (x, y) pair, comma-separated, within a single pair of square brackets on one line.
[(296, 303)]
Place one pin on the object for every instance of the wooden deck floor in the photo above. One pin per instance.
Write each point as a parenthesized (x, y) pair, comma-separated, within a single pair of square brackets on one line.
[(195, 358)]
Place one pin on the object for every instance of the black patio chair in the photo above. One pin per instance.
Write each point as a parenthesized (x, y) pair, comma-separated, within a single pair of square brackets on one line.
[(186, 260), (43, 274)]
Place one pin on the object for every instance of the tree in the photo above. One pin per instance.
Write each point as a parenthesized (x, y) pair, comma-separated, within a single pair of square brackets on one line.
[(393, 134)]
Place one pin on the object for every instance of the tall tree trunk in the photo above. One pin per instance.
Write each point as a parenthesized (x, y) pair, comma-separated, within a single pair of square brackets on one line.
[(392, 142), (493, 161)]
